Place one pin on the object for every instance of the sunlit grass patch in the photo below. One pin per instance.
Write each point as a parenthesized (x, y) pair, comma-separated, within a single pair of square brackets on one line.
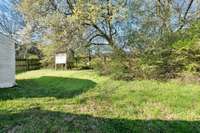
[(82, 101)]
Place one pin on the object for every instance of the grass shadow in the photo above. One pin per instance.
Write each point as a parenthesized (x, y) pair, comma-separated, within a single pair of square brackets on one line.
[(58, 87), (37, 120)]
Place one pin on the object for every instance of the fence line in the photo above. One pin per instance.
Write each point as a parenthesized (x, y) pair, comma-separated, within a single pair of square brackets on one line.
[(27, 64)]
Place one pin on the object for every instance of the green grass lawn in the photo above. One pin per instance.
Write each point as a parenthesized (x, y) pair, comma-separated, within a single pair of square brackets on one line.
[(48, 101)]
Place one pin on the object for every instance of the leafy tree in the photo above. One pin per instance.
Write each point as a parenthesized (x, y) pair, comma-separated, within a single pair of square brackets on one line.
[(163, 25), (98, 21), (145, 36)]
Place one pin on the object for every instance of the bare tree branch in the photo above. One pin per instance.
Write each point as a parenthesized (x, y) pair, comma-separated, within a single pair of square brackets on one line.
[(186, 13)]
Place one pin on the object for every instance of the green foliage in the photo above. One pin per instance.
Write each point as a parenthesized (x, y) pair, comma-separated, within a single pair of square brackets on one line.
[(101, 66), (49, 55), (190, 59), (159, 44), (169, 56)]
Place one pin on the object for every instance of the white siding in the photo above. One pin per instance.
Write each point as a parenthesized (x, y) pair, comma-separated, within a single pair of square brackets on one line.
[(7, 62)]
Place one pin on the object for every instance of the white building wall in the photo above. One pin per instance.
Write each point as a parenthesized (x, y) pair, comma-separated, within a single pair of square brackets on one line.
[(7, 62)]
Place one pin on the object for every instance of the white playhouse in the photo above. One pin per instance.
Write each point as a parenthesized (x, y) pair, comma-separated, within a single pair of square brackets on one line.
[(7, 61)]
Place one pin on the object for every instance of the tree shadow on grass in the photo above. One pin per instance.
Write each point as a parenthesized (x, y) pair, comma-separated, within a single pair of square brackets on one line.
[(58, 87), (37, 120)]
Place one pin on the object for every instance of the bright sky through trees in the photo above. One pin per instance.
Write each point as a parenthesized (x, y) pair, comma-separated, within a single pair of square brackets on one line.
[(10, 19)]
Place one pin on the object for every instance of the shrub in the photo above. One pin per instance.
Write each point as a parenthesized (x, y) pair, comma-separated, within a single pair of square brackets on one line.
[(101, 66), (188, 77), (160, 63)]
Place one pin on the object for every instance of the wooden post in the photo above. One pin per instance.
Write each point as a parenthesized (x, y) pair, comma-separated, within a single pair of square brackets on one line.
[(27, 67), (66, 62), (66, 65), (76, 61), (55, 66)]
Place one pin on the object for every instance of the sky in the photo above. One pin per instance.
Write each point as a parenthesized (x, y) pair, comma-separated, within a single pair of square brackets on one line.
[(7, 8), (4, 3)]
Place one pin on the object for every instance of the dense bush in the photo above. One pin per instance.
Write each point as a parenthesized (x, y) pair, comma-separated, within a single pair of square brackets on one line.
[(101, 66), (154, 63)]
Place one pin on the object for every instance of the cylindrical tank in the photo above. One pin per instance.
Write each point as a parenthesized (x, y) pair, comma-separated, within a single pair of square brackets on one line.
[(7, 61)]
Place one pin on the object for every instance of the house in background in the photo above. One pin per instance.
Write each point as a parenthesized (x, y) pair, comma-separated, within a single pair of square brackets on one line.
[(7, 61)]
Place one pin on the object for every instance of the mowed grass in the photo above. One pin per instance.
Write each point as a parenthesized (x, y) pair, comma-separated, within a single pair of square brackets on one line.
[(48, 101)]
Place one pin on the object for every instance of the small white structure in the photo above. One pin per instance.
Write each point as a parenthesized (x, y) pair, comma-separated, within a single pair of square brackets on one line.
[(61, 59), (7, 61)]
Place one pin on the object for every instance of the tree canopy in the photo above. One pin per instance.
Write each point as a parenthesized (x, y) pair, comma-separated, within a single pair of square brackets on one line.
[(150, 30)]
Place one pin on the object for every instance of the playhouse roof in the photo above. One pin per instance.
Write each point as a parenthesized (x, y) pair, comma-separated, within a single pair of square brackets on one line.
[(7, 36)]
